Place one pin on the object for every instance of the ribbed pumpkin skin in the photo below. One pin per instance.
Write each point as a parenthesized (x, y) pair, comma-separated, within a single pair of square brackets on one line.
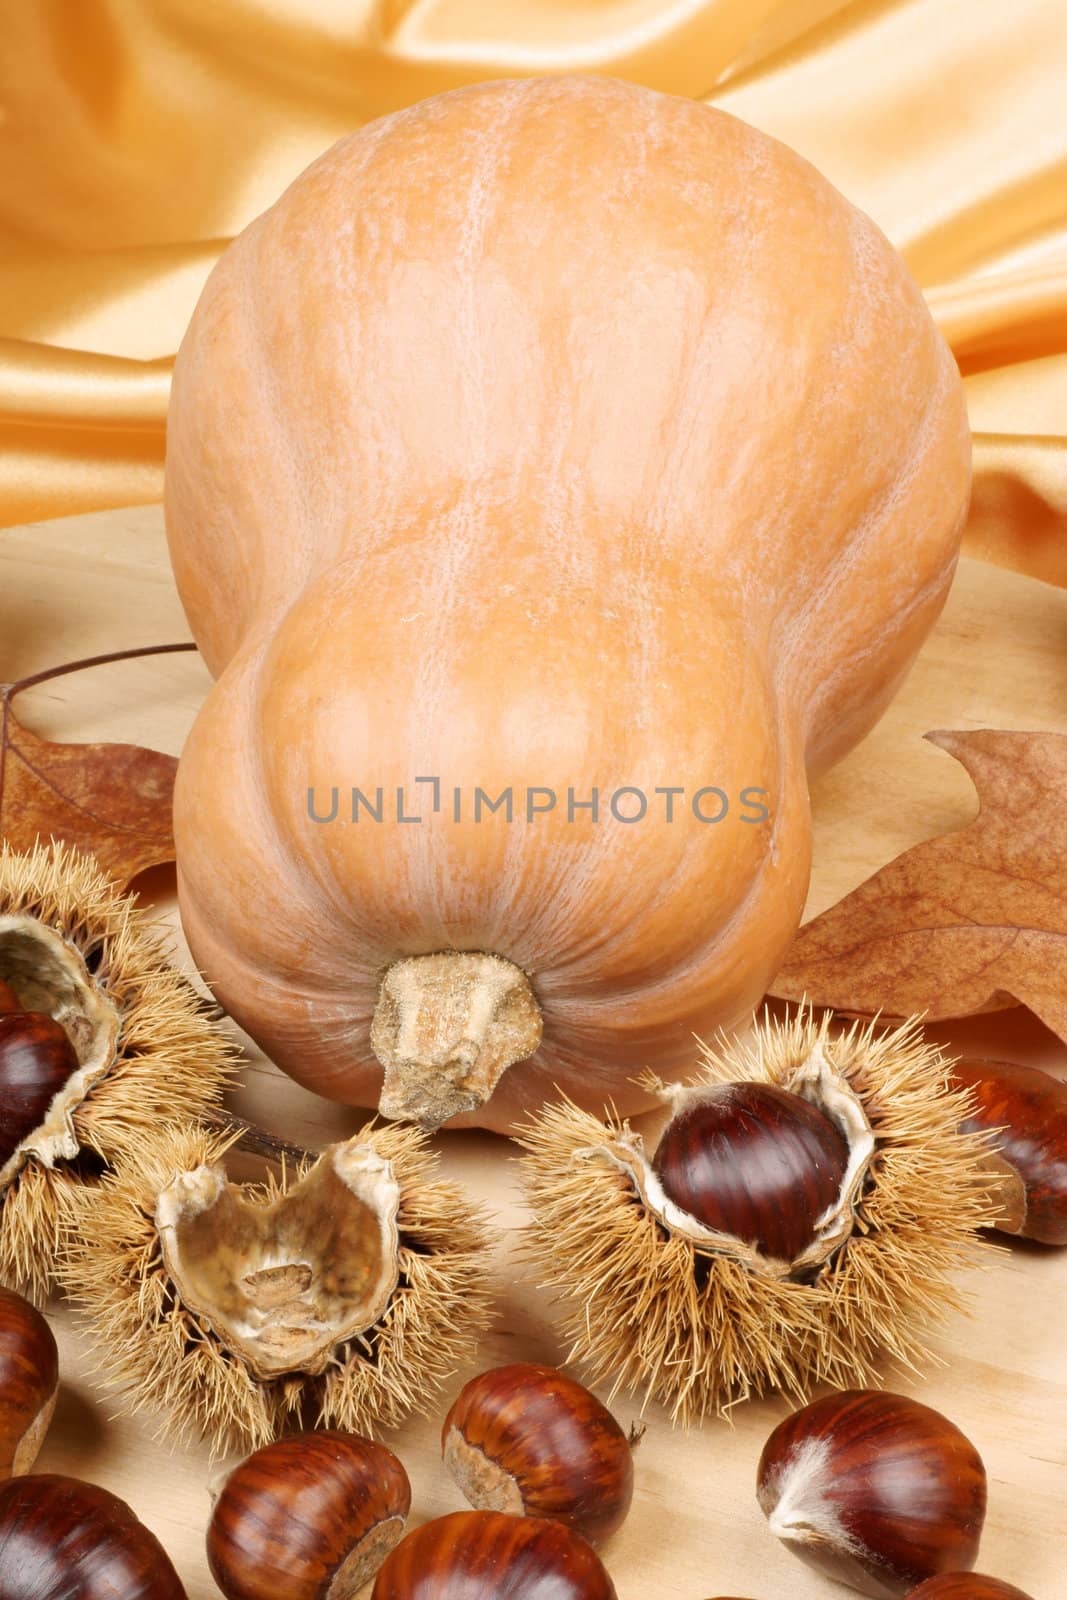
[(555, 433)]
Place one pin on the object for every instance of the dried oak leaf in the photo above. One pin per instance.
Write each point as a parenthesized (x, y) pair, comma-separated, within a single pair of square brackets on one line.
[(111, 799), (972, 921)]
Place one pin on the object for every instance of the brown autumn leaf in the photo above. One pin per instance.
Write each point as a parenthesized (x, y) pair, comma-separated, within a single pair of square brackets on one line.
[(972, 921), (111, 799)]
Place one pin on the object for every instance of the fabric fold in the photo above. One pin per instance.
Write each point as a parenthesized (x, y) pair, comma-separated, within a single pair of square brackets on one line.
[(138, 136)]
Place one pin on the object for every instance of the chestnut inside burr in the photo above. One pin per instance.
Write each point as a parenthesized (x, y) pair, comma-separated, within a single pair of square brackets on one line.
[(755, 1161), (37, 1061), (284, 1280), (775, 1183), (47, 975)]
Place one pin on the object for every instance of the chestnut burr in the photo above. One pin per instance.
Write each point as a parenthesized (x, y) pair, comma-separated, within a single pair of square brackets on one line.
[(307, 1518), (1024, 1112), (36, 1060), (488, 1555), (527, 1439), (29, 1382), (755, 1161), (875, 1490), (61, 1539), (966, 1586)]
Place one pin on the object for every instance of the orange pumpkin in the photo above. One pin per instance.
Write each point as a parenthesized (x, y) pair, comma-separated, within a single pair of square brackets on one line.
[(545, 438)]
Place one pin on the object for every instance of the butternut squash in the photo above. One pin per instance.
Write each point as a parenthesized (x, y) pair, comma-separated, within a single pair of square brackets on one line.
[(563, 440)]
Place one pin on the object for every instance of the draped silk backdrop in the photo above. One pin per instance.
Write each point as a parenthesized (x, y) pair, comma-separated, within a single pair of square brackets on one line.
[(137, 136)]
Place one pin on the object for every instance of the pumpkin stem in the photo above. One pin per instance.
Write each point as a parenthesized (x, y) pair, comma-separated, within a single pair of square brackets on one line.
[(446, 1028)]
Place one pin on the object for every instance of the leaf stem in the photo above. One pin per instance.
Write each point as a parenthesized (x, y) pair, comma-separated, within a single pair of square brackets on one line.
[(9, 690)]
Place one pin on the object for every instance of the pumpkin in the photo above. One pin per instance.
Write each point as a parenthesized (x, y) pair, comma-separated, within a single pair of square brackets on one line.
[(557, 440)]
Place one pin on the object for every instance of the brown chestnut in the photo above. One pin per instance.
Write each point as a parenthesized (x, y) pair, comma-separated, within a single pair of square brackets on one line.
[(61, 1539), (875, 1490), (1024, 1110), (310, 1518), (29, 1382), (9, 1000), (36, 1061), (526, 1439), (754, 1161), (966, 1586), (488, 1555)]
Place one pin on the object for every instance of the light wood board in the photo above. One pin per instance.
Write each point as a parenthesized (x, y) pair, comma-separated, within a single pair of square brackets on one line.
[(999, 659)]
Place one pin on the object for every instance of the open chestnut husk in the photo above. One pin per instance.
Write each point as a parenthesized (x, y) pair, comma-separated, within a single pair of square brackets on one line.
[(491, 1554), (1023, 1113), (311, 1518), (805, 1214), (61, 1539), (529, 1440), (966, 1586), (100, 1038), (29, 1383), (343, 1294), (875, 1490)]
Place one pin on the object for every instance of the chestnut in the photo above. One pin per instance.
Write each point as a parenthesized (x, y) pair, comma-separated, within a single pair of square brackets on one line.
[(310, 1517), (9, 1000), (966, 1586), (37, 1059), (29, 1382), (755, 1161), (1024, 1112), (61, 1539), (875, 1490), (526, 1439), (488, 1555)]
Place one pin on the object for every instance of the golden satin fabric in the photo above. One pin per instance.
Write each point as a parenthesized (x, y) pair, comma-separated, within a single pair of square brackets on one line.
[(137, 136)]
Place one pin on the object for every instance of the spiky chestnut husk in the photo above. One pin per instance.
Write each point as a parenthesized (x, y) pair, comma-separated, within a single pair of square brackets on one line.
[(241, 1358), (149, 1047), (661, 1307)]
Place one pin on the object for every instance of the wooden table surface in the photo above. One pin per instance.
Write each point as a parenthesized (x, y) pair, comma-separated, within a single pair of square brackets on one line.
[(999, 659)]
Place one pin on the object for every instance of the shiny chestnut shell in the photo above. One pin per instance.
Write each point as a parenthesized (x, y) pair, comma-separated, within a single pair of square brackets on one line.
[(61, 1539), (1024, 1110), (307, 1518), (527, 1439), (488, 1555), (36, 1061), (9, 1000), (29, 1382), (754, 1161), (876, 1490), (966, 1586)]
